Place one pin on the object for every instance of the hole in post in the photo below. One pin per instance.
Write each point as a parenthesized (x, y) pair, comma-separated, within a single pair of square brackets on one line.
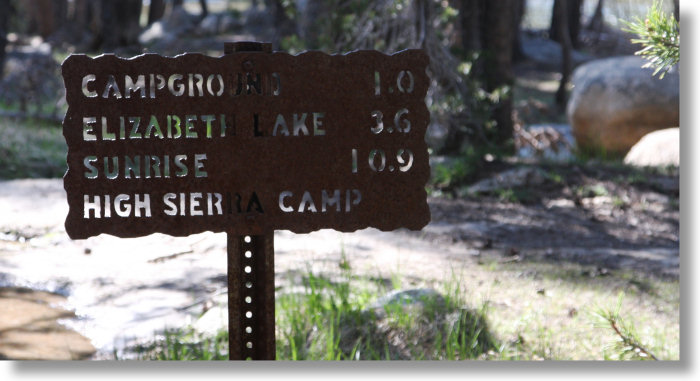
[(248, 254), (248, 329), (248, 299), (246, 239), (248, 285), (248, 314), (249, 345), (247, 269)]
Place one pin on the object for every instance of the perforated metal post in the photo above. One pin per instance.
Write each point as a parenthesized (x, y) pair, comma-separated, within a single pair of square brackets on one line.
[(251, 278), (251, 297)]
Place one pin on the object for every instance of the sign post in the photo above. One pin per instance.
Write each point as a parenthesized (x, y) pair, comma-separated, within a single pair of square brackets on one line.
[(251, 278), (246, 143)]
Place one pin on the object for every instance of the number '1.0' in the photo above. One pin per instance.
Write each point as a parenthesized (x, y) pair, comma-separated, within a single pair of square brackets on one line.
[(404, 83)]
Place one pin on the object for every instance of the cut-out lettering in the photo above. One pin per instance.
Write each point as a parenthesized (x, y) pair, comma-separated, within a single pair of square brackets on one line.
[(135, 134), (131, 86), (199, 166), (282, 203), (352, 198), (106, 135), (145, 166), (300, 123), (207, 119), (280, 126), (189, 126), (405, 164), (219, 82), (402, 124), (157, 82), (254, 204), (373, 154), (379, 124), (132, 165), (92, 170), (193, 204), (328, 200), (86, 81), (353, 167), (175, 87), (88, 126), (405, 76), (153, 128), (111, 88), (195, 80), (124, 205), (174, 123), (307, 203), (277, 84), (92, 206), (114, 172)]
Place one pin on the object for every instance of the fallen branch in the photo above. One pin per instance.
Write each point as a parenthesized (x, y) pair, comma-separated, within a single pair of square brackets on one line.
[(171, 256)]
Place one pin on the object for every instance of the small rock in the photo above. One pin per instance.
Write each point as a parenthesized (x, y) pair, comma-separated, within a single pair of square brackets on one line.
[(656, 149), (415, 300), (560, 203), (597, 201)]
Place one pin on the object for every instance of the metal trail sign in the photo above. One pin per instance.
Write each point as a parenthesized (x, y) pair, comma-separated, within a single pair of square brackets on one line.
[(247, 142)]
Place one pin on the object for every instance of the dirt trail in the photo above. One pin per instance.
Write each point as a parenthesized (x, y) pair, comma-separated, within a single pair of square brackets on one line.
[(30, 329), (109, 293)]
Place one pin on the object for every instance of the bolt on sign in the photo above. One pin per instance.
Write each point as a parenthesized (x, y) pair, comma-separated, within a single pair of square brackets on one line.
[(248, 142)]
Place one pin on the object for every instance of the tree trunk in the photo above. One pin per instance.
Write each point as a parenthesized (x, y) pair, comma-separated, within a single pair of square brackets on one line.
[(596, 23), (572, 17), (566, 47), (310, 19), (498, 64), (156, 11), (489, 29), (4, 26), (205, 10), (519, 12), (45, 16), (284, 26), (676, 10), (119, 23)]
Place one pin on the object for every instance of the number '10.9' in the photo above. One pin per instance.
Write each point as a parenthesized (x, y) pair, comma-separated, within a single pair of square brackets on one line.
[(378, 162)]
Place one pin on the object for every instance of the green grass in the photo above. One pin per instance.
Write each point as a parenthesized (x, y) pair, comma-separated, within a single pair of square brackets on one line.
[(335, 319), (31, 150), (184, 345), (576, 313)]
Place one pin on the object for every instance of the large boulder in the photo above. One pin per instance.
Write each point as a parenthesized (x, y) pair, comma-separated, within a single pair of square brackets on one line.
[(615, 102), (657, 149)]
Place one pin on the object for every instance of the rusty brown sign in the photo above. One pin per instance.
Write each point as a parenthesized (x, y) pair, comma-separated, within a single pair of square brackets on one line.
[(248, 142)]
